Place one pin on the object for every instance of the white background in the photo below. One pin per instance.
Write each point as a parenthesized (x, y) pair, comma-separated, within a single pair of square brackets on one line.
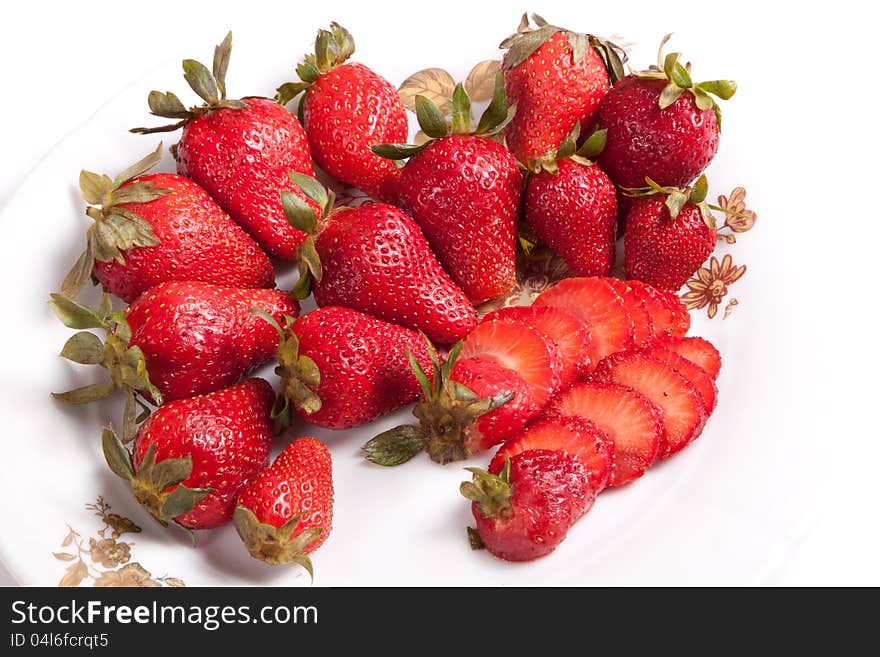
[(808, 83)]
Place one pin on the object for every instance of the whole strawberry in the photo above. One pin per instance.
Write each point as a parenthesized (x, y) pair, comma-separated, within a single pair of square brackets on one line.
[(571, 205), (375, 258), (525, 511), (192, 456), (240, 151), (464, 190), (667, 238), (661, 125), (286, 512), (340, 368), (556, 77), (159, 227), (346, 109)]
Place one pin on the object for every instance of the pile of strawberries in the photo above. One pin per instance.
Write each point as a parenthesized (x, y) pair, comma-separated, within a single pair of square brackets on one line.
[(584, 389)]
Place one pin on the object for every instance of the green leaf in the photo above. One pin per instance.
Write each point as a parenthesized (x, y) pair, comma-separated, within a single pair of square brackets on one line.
[(167, 105), (474, 539), (677, 73), (568, 147), (117, 456), (311, 187), (305, 562), (80, 273), (303, 286), (94, 187), (398, 151), (431, 119), (700, 190), (221, 63), (594, 145), (290, 90), (496, 113), (675, 202), (670, 94), (299, 214), (308, 254), (75, 315), (420, 375), (183, 499), (138, 192), (129, 417), (461, 392), (141, 167), (86, 394), (322, 43), (521, 46), (395, 446), (84, 348), (170, 472), (201, 81), (579, 44), (307, 71), (724, 89), (259, 312), (449, 362), (460, 109), (703, 100)]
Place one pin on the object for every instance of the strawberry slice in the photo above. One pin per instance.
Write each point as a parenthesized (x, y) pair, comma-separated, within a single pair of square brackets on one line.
[(573, 435), (681, 321), (567, 330), (594, 301), (698, 377), (697, 350), (668, 316), (643, 325), (632, 423), (524, 350), (682, 407)]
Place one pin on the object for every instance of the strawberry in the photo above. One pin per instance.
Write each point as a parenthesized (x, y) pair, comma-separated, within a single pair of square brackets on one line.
[(595, 302), (661, 125), (464, 190), (286, 512), (526, 510), (177, 340), (346, 109), (340, 368), (632, 423), (668, 315), (565, 329), (467, 405), (697, 350), (192, 456), (679, 401), (557, 78), (696, 375), (374, 258), (240, 151), (571, 205), (160, 227), (666, 240), (643, 323), (572, 435)]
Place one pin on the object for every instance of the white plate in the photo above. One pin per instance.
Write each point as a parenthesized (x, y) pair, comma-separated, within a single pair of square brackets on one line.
[(714, 513)]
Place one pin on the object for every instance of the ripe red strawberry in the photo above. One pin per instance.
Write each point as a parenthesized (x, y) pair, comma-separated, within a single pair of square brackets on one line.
[(557, 78), (160, 227), (240, 151), (341, 368), (595, 302), (697, 350), (668, 315), (192, 456), (661, 125), (464, 190), (530, 353), (633, 424), (374, 258), (526, 510), (572, 206), (347, 108), (570, 334), (643, 324), (667, 239), (572, 435), (286, 512), (680, 403), (696, 375)]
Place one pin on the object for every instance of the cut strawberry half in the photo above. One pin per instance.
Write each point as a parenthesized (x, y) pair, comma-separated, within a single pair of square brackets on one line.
[(697, 350), (524, 350), (697, 376), (594, 301), (573, 435), (681, 318), (668, 315), (682, 407), (632, 423), (643, 325), (570, 333)]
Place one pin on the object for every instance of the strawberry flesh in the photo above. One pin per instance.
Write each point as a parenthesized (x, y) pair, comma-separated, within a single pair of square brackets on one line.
[(698, 377), (697, 350)]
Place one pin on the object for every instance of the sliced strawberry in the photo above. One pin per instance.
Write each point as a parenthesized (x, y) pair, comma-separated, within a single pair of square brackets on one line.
[(634, 424), (698, 377), (570, 333), (573, 435), (643, 325), (594, 301), (521, 349), (697, 350), (663, 319), (681, 318), (682, 407)]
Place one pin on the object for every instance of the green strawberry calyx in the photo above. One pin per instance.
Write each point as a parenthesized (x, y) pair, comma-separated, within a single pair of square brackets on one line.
[(435, 125), (677, 198), (124, 362), (333, 47), (116, 228), (158, 486), (527, 39), (299, 374), (446, 411), (208, 84), (585, 154), (275, 545), (678, 77), (492, 493)]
